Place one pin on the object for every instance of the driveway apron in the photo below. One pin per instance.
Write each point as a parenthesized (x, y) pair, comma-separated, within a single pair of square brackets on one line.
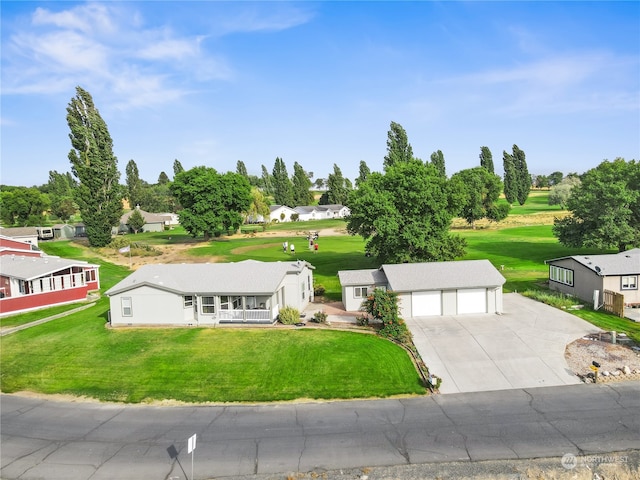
[(522, 348)]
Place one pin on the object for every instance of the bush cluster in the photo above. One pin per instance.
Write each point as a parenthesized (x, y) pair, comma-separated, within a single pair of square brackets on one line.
[(289, 316)]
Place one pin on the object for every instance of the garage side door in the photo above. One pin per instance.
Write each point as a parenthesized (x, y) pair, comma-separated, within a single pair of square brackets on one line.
[(426, 303), (472, 301)]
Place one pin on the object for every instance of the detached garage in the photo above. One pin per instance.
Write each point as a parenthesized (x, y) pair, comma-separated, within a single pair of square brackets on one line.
[(431, 289)]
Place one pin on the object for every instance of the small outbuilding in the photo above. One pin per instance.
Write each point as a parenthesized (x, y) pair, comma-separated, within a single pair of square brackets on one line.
[(427, 289), (210, 293)]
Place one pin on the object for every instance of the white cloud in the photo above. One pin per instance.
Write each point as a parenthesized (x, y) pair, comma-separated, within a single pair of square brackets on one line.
[(109, 48)]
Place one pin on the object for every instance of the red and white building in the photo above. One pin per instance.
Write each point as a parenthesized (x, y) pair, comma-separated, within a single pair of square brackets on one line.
[(30, 280)]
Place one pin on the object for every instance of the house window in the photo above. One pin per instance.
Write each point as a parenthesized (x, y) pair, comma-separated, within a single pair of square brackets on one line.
[(561, 275), (127, 310), (188, 301), (360, 292), (90, 275), (225, 303), (303, 290), (208, 304), (630, 282)]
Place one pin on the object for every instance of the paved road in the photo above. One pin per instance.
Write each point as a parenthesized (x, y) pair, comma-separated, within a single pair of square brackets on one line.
[(523, 348), (77, 441)]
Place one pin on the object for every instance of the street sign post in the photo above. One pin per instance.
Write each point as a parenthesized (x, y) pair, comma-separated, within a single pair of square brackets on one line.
[(191, 446)]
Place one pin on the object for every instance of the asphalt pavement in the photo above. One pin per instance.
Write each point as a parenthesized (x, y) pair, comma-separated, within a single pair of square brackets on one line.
[(76, 441)]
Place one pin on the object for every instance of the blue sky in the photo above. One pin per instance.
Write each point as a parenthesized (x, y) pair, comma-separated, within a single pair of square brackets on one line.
[(211, 83)]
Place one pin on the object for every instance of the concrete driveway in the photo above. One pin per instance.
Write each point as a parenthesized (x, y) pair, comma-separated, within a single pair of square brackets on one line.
[(522, 348)]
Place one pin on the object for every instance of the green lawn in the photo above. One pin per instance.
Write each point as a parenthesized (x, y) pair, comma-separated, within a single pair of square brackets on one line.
[(78, 355)]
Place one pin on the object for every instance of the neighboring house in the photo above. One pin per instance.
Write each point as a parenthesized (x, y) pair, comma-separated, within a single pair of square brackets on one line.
[(306, 213), (81, 230), (28, 282), (25, 234), (337, 211), (582, 275), (210, 293), (63, 231), (280, 213), (171, 219), (425, 289), (11, 246), (154, 222)]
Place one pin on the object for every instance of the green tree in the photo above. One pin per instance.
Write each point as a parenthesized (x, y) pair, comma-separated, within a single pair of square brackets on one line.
[(486, 159), (282, 186), (136, 221), (481, 193), (320, 183), (259, 207), (98, 195), (134, 184), (212, 203), (398, 146), (241, 169), (363, 172), (23, 206), (404, 214), (555, 178), (266, 182), (541, 181), (437, 160), (605, 208), (510, 178), (60, 190), (523, 178), (559, 194), (177, 167), (163, 179), (338, 189), (302, 194)]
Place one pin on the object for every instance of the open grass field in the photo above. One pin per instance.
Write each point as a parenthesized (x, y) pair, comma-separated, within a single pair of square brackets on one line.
[(77, 355)]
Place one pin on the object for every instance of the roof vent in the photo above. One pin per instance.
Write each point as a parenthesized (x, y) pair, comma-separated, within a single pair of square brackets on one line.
[(598, 269)]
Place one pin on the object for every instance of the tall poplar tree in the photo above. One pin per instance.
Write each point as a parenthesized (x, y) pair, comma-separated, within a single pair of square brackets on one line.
[(363, 172), (98, 195), (177, 167), (134, 184), (301, 186), (241, 169), (523, 177), (486, 159), (267, 185), (510, 178), (398, 146), (282, 187), (437, 160)]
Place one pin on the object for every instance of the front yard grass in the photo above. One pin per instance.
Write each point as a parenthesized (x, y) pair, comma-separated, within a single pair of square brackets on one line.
[(77, 355)]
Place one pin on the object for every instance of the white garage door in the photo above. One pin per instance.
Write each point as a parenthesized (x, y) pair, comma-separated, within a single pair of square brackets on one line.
[(472, 301), (426, 303)]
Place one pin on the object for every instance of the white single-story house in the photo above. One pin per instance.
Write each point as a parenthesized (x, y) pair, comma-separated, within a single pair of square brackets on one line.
[(337, 211), (210, 293), (280, 213), (425, 289), (313, 212), (582, 275)]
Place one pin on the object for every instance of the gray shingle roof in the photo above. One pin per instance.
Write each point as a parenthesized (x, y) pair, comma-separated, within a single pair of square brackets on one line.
[(407, 277), (623, 263), (29, 268), (246, 277), (362, 277)]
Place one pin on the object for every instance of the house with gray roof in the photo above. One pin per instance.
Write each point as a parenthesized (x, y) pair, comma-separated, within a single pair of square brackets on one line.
[(425, 289), (154, 222), (210, 293), (29, 282), (582, 275)]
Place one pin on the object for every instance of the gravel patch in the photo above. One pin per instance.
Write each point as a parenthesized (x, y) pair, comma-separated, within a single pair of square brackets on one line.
[(617, 362)]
